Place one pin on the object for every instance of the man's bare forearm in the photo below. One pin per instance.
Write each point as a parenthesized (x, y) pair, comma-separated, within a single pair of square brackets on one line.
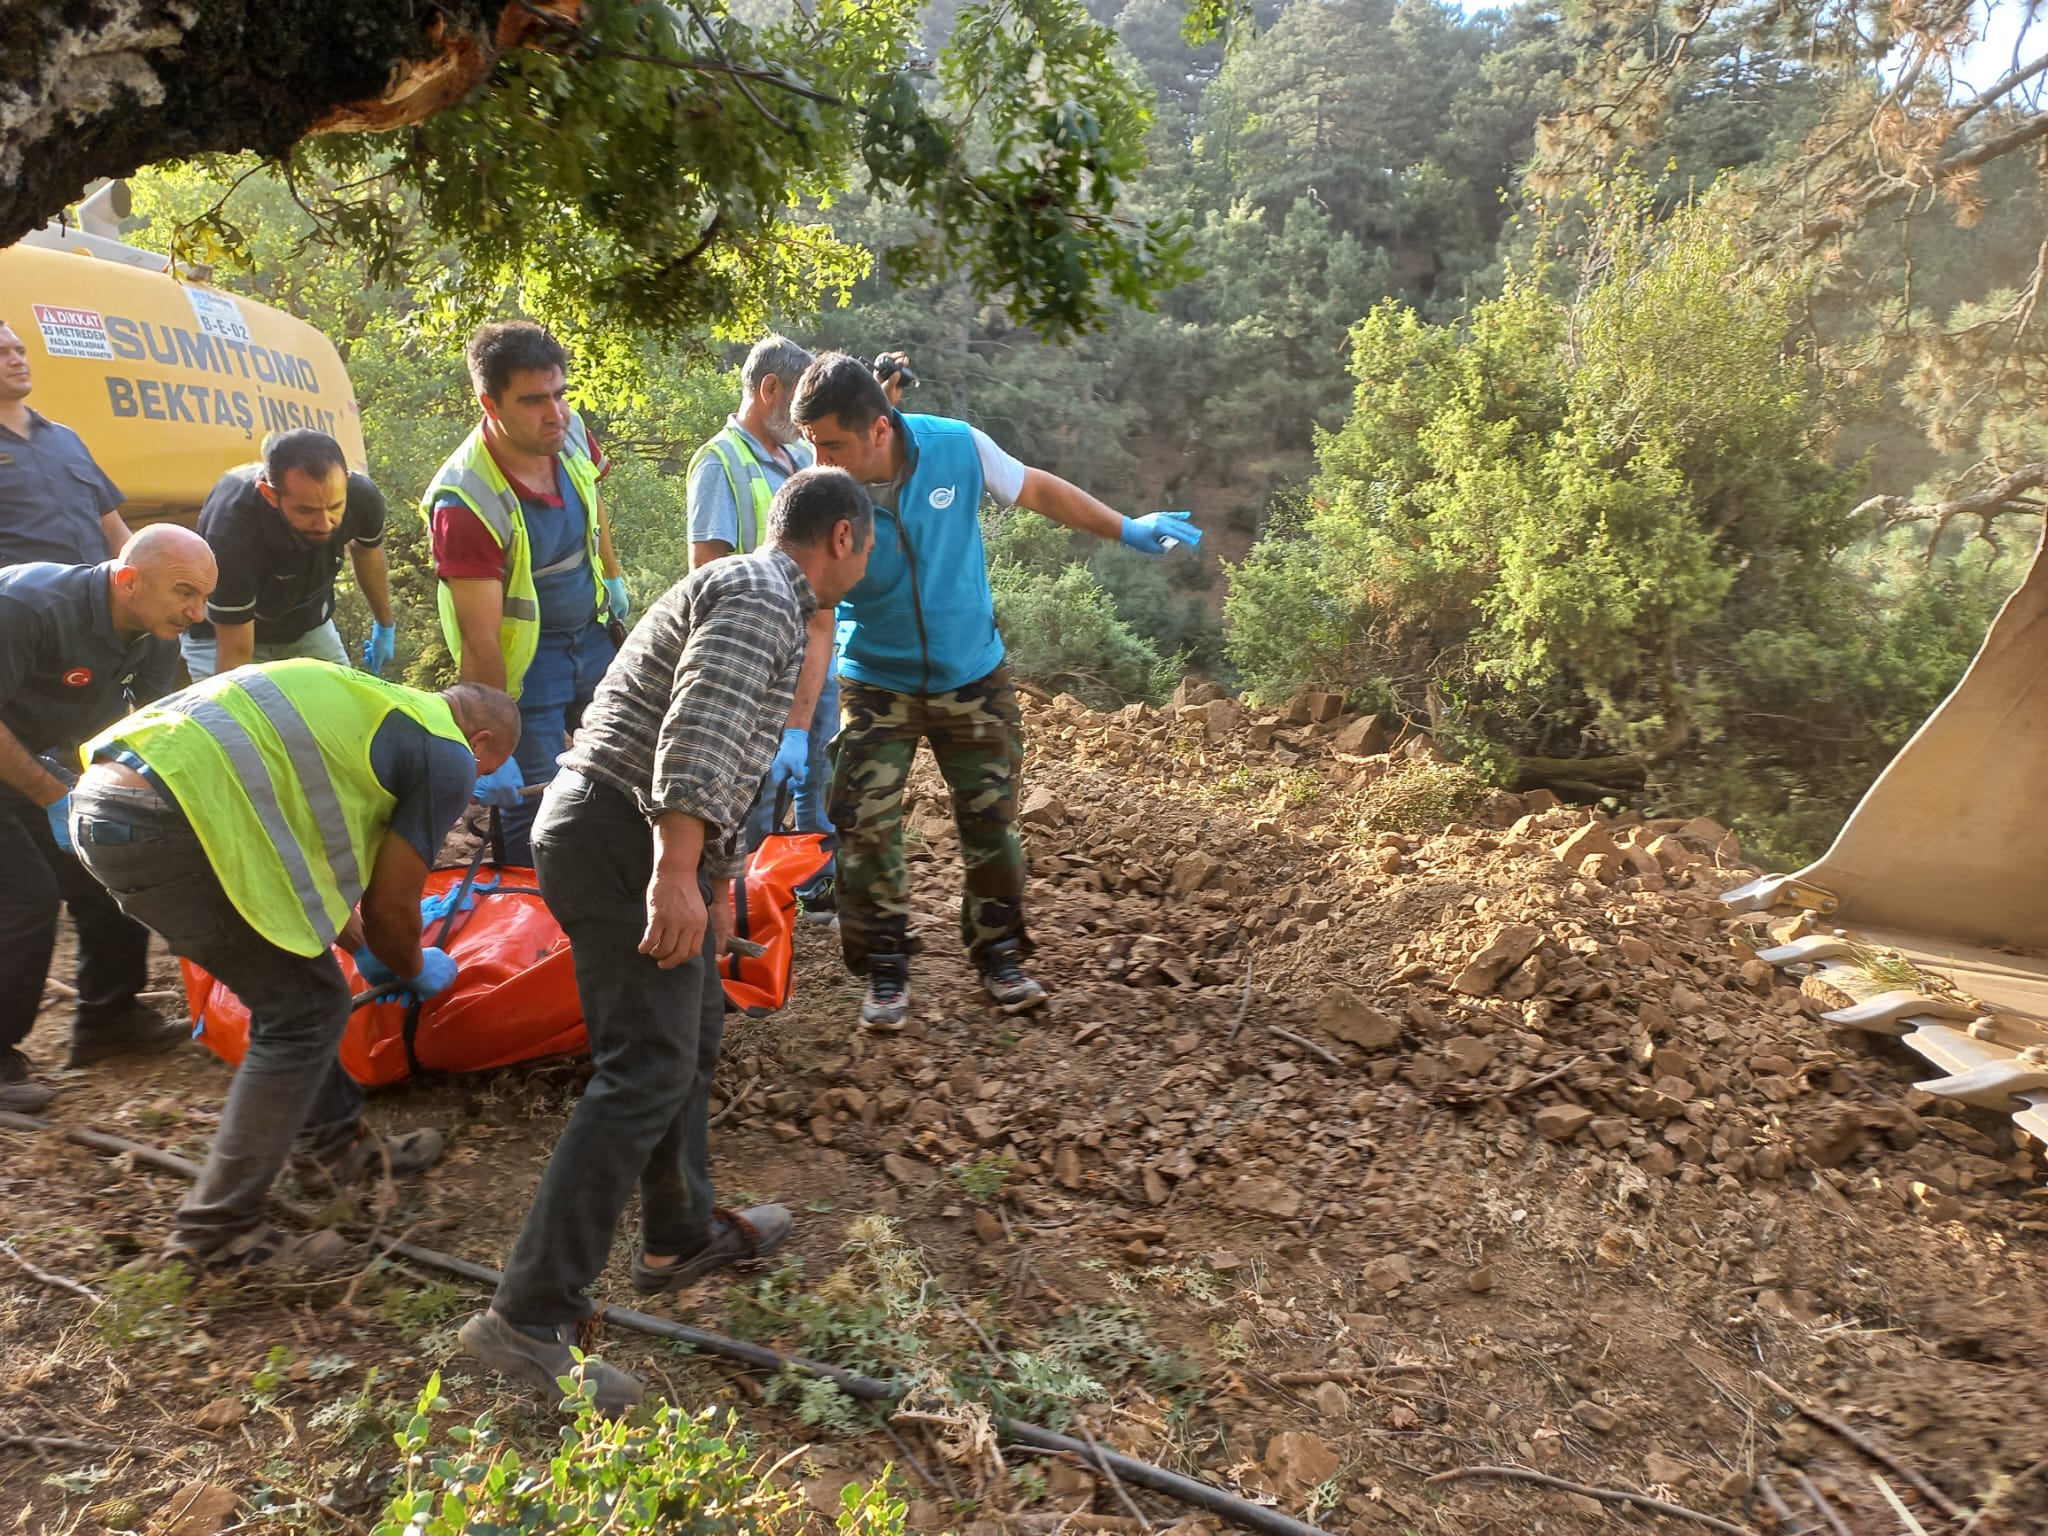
[(1069, 506), (20, 770), (811, 681), (373, 577)]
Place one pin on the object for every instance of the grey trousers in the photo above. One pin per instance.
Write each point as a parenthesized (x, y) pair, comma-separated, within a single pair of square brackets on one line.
[(654, 1039), (322, 642), (290, 1087)]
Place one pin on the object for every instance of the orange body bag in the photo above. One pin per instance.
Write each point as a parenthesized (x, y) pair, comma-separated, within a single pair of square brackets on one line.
[(514, 997)]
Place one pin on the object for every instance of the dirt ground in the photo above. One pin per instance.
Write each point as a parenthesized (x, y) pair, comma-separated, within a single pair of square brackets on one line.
[(1344, 1158)]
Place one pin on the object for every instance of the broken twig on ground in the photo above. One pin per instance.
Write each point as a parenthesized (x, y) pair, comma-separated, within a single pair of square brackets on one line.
[(60, 1282), (1099, 1460), (1308, 1045), (1605, 1495), (1949, 1508)]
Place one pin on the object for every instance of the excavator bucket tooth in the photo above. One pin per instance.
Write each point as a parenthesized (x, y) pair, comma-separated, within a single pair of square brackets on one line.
[(1768, 893), (1993, 1086), (1814, 947), (1879, 1013)]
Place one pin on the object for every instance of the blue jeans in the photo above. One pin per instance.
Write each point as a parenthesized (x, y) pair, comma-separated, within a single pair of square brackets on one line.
[(290, 1086), (811, 815), (562, 679), (645, 1118)]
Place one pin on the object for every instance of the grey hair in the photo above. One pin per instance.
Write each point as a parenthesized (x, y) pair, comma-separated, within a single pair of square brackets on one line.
[(776, 355)]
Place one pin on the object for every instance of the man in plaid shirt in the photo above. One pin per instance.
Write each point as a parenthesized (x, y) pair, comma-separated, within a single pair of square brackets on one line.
[(636, 845)]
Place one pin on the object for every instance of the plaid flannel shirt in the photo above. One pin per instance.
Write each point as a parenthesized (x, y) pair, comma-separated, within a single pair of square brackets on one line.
[(690, 714)]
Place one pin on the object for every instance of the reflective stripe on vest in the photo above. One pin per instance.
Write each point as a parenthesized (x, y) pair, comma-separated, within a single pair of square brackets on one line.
[(740, 465)]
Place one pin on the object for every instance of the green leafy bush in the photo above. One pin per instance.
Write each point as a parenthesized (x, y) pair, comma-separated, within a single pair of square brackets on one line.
[(657, 1472)]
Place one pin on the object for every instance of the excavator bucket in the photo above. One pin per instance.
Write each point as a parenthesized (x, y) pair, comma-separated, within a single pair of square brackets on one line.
[(1945, 861)]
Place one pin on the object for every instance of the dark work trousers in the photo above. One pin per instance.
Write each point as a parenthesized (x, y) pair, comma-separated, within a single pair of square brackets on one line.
[(36, 877), (559, 683), (654, 1039), (290, 1087)]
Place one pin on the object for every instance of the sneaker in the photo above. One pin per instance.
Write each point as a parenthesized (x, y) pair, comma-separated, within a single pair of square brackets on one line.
[(369, 1157), (818, 902), (138, 1030), (542, 1361), (25, 1098), (888, 1001), (1002, 976), (260, 1247), (736, 1237)]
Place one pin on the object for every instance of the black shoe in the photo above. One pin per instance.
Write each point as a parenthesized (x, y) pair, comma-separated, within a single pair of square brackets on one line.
[(14, 1067), (1002, 974), (888, 1001), (818, 902), (138, 1030)]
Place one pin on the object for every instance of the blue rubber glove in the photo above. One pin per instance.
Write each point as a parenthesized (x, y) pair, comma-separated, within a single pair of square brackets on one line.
[(375, 972), (59, 812), (1156, 533), (501, 788), (380, 647), (437, 973), (622, 605), (792, 763)]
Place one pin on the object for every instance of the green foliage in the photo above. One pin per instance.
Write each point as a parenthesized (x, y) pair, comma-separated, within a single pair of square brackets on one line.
[(141, 1303), (270, 1378), (663, 1470), (984, 1178), (1060, 624), (417, 1310)]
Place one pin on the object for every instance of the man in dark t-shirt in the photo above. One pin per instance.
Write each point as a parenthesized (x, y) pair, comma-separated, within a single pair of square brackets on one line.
[(278, 531)]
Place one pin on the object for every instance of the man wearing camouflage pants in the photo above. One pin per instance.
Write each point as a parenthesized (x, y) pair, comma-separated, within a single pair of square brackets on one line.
[(923, 661)]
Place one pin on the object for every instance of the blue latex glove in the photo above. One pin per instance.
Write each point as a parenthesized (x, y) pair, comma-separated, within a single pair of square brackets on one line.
[(622, 605), (437, 973), (375, 972), (59, 812), (380, 647), (1156, 533), (502, 788), (792, 763)]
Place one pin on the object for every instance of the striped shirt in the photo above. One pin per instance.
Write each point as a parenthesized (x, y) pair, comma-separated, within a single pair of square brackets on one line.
[(689, 715)]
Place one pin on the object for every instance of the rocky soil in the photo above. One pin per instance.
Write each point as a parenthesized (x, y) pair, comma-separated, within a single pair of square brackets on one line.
[(1382, 1127)]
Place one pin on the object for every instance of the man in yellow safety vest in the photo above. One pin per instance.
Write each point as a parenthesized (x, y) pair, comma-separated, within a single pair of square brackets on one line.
[(529, 585), (245, 819)]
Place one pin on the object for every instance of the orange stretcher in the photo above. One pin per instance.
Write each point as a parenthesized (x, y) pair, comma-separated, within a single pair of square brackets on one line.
[(514, 997)]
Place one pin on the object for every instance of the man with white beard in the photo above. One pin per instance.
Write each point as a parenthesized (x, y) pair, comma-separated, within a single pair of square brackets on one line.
[(732, 479)]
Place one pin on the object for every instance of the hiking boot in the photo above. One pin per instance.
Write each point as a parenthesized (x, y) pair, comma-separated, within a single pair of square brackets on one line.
[(261, 1247), (25, 1098), (137, 1030), (888, 1001), (818, 902), (541, 1356), (736, 1237), (14, 1067), (370, 1156), (1002, 976)]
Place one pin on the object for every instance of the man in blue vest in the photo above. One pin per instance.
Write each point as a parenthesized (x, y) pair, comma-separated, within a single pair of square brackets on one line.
[(529, 582), (923, 661), (733, 477)]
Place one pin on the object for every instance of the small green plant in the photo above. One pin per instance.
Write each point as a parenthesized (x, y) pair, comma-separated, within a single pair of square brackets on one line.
[(270, 1378), (415, 1312), (1046, 1387), (137, 1301), (1029, 1481), (984, 1178), (362, 1419), (1420, 796), (1233, 1341), (664, 1469)]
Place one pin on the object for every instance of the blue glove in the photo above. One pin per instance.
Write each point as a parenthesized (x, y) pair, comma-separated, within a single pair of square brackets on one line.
[(1156, 533), (375, 972), (437, 973), (622, 605), (502, 788), (380, 647), (59, 812), (792, 763)]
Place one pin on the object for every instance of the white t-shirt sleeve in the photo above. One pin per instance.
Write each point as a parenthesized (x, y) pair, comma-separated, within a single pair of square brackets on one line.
[(1001, 475)]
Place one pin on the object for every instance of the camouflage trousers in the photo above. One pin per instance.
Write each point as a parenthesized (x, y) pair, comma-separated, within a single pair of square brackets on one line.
[(977, 737)]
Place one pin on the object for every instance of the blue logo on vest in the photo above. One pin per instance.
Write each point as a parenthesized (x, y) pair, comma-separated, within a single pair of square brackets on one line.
[(941, 497)]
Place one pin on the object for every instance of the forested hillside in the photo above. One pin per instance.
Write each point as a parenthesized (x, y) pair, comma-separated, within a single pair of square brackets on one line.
[(1548, 426)]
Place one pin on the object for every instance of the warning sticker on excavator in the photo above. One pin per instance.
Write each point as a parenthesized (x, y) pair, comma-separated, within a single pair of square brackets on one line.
[(218, 315), (73, 332)]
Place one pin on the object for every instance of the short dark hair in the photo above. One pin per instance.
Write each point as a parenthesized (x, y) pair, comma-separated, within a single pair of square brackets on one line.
[(313, 453), (505, 347), (812, 502), (841, 386)]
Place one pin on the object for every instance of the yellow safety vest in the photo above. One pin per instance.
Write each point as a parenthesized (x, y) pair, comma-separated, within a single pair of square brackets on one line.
[(271, 765), (472, 477), (747, 477)]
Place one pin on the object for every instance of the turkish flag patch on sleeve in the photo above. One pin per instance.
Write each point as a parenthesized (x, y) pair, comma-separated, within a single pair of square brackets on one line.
[(78, 677)]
